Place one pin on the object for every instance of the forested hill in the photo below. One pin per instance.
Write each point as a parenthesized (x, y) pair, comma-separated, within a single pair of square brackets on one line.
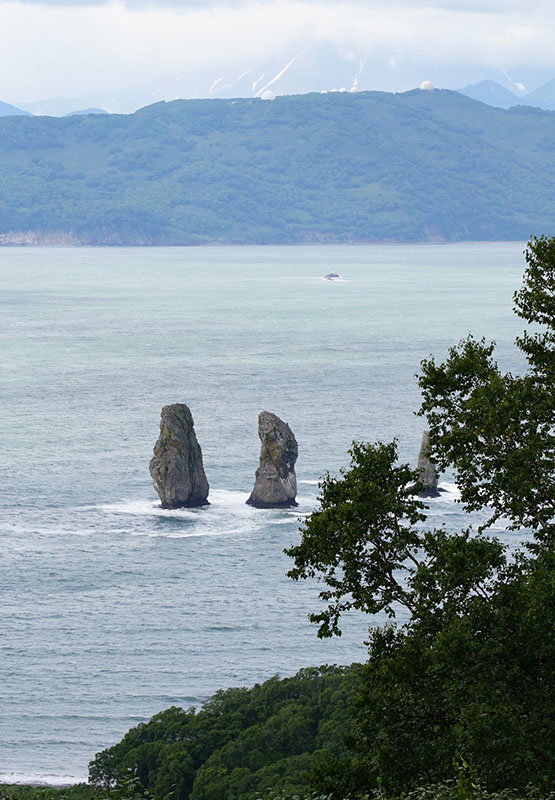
[(373, 166)]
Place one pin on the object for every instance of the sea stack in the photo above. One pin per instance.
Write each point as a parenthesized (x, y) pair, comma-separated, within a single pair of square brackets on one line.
[(427, 473), (275, 484), (176, 467)]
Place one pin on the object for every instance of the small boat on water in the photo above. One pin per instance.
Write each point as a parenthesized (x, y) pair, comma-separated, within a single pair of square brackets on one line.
[(331, 275)]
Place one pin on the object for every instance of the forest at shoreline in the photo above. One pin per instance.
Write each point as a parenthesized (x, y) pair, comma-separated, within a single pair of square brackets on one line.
[(367, 167)]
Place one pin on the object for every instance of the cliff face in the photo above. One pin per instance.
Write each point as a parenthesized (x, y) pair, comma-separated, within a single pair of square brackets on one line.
[(56, 238), (275, 483), (176, 468)]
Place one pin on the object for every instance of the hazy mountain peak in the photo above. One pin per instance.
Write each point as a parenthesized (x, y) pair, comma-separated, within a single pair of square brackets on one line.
[(542, 97), (492, 93), (311, 68), (7, 110), (84, 111)]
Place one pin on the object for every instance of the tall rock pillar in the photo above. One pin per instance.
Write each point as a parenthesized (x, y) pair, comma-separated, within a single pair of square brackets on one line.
[(176, 467), (427, 473), (275, 483)]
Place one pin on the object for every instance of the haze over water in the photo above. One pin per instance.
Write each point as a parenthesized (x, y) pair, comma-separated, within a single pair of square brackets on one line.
[(112, 609)]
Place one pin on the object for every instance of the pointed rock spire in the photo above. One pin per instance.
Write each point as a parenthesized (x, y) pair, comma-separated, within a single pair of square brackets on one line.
[(176, 467), (427, 473), (275, 483)]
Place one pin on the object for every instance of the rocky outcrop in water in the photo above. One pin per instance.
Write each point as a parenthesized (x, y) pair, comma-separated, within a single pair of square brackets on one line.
[(275, 483), (427, 473), (176, 467)]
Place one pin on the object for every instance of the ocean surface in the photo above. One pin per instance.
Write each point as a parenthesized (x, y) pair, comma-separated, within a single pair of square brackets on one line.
[(113, 609)]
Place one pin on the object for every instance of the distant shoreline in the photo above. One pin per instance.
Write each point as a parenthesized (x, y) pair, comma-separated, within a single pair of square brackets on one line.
[(196, 246), (36, 783)]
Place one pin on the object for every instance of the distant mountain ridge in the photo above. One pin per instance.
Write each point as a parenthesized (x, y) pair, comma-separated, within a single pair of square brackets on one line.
[(84, 111), (306, 66), (301, 68), (7, 110), (316, 67), (338, 167), (494, 94), (543, 97)]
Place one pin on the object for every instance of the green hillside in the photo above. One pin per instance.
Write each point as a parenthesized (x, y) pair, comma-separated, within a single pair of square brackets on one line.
[(419, 166)]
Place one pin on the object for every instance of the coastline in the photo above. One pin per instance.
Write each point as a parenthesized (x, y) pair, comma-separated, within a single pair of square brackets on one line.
[(59, 782), (64, 242)]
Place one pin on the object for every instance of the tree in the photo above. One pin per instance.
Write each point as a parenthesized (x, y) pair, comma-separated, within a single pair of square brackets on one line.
[(497, 430), (242, 742), (471, 674), (367, 544)]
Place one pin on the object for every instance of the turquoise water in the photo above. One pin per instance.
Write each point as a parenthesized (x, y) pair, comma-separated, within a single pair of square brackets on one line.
[(112, 609)]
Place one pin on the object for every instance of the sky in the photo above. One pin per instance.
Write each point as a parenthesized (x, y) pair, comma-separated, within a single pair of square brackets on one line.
[(52, 48)]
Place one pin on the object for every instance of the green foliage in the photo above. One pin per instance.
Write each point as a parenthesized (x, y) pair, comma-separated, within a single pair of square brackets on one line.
[(129, 787), (465, 785), (241, 742), (472, 674), (480, 687), (370, 166), (497, 430), (535, 303), (80, 791), (367, 544), (363, 531)]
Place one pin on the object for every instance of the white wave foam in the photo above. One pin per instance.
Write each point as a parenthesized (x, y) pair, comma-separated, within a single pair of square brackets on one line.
[(227, 514), (218, 499), (228, 497), (147, 508), (450, 492), (310, 483), (449, 486), (41, 778)]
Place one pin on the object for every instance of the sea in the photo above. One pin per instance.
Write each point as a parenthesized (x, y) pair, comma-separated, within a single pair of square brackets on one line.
[(112, 609)]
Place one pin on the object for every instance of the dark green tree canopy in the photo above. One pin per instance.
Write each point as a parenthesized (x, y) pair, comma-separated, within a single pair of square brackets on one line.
[(535, 303), (471, 675), (367, 542), (497, 431)]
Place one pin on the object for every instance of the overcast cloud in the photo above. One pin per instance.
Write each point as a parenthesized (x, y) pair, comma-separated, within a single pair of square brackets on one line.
[(48, 48), (499, 6)]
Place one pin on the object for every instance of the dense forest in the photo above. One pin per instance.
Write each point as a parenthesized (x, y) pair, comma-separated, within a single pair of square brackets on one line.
[(242, 742), (459, 702), (338, 167)]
